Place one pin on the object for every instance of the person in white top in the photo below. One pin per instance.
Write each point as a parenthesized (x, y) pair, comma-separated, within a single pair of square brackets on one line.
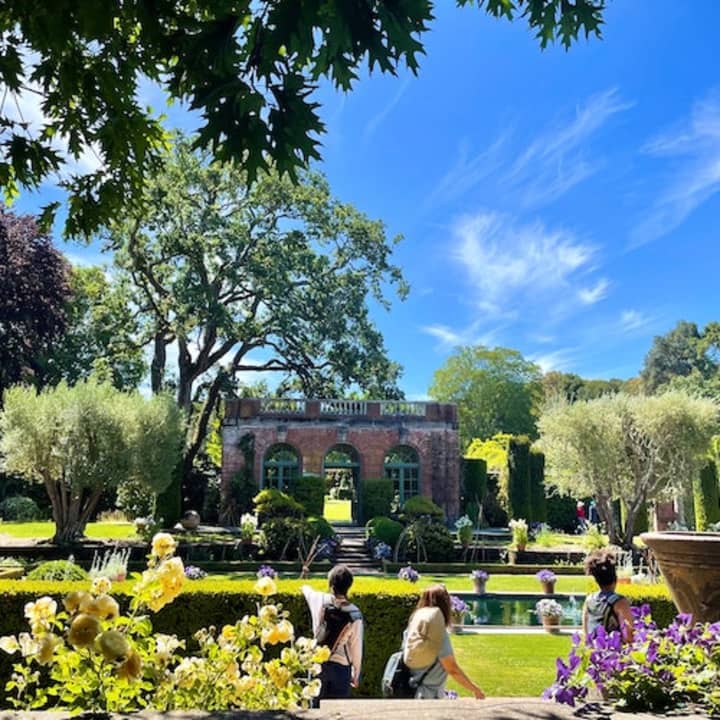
[(337, 623)]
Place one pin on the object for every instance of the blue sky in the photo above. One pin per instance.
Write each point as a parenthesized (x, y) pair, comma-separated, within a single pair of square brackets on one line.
[(564, 204)]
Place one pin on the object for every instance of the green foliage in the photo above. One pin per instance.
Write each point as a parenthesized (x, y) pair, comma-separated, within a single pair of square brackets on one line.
[(168, 505), (375, 497), (20, 508), (474, 487), (707, 496), (80, 441), (283, 536), (538, 501), (101, 337), (58, 570), (493, 451), (495, 391), (421, 506), (135, 499), (243, 488), (384, 529), (431, 542), (250, 72), (518, 489), (561, 512), (272, 503), (571, 387), (320, 527), (309, 491)]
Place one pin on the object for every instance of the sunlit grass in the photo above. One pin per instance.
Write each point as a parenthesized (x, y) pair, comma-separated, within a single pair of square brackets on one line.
[(45, 530), (337, 510)]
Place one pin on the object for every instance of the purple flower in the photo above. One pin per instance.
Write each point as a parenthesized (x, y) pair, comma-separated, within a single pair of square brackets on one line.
[(480, 575), (194, 573), (546, 576), (451, 695), (409, 573), (266, 571), (457, 605)]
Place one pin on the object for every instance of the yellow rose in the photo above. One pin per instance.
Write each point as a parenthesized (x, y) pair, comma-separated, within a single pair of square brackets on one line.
[(171, 575), (9, 644), (113, 645), (265, 586), (163, 545), (74, 600), (100, 586), (285, 630), (46, 648), (106, 607), (245, 684), (321, 655), (278, 673), (311, 690), (268, 613), (270, 636), (41, 613), (131, 668), (83, 630)]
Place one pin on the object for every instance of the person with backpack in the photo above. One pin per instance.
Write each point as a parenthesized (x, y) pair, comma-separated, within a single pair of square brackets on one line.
[(427, 651), (606, 608), (338, 624)]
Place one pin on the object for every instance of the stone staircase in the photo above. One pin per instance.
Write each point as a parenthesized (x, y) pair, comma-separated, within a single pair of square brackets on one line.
[(352, 551)]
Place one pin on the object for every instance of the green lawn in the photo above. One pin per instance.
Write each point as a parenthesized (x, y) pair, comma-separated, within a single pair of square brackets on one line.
[(45, 530), (509, 665), (337, 510)]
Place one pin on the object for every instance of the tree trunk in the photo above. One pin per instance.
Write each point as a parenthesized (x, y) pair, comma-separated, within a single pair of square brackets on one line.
[(71, 514), (605, 510), (157, 366)]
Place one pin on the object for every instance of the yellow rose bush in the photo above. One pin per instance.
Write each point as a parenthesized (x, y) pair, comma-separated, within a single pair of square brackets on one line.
[(87, 655)]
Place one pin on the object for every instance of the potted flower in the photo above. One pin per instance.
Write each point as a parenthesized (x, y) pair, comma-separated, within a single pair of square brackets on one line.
[(458, 608), (547, 579), (409, 573), (519, 529), (479, 578), (550, 612), (464, 529)]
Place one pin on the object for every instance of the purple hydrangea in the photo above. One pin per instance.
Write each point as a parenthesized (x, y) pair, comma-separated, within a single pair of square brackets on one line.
[(382, 551), (546, 576), (479, 575), (409, 573), (457, 605), (194, 573), (266, 571)]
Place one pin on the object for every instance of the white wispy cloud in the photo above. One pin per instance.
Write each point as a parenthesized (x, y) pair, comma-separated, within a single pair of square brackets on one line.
[(556, 160), (377, 119), (632, 320), (595, 293), (556, 360), (471, 335), (512, 265), (694, 147)]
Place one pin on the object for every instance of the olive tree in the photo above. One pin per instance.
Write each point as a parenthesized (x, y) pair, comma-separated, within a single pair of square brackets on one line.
[(634, 448), (79, 441)]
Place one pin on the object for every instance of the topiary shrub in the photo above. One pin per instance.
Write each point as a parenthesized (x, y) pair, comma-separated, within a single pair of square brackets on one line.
[(320, 527), (705, 491), (538, 502), (384, 529), (58, 570), (282, 536), (561, 513), (376, 497), (519, 477), (271, 503), (309, 491), (20, 509), (421, 506), (431, 541)]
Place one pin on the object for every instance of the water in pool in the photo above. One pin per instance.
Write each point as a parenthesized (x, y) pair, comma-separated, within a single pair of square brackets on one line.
[(517, 609)]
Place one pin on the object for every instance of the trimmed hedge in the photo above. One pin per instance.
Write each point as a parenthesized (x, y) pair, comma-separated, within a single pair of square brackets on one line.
[(705, 491), (272, 503), (309, 491), (474, 486), (561, 513), (384, 529), (386, 612), (376, 496), (538, 501), (519, 478), (419, 505)]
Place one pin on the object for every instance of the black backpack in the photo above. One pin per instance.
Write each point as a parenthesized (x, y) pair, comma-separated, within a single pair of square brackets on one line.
[(398, 681), (332, 623)]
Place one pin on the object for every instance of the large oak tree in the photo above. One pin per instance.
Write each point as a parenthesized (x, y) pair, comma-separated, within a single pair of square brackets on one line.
[(248, 68), (232, 278)]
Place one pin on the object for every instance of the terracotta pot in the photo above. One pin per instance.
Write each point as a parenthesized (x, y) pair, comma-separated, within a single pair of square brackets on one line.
[(624, 581), (479, 586), (690, 564), (551, 624), (548, 587)]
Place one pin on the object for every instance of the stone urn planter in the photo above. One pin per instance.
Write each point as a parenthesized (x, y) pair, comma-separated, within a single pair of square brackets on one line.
[(690, 564), (551, 624), (190, 520), (548, 587), (479, 586)]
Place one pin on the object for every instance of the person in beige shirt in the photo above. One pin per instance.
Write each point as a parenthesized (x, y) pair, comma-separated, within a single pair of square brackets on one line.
[(342, 670)]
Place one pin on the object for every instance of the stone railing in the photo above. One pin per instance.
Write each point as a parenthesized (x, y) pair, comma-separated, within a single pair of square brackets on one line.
[(340, 409)]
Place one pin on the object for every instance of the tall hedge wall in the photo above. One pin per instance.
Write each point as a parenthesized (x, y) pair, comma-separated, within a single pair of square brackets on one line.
[(538, 501), (474, 485), (705, 491), (519, 477), (309, 491), (376, 496)]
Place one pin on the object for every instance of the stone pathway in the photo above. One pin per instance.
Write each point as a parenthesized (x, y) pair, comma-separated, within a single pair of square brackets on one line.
[(353, 552)]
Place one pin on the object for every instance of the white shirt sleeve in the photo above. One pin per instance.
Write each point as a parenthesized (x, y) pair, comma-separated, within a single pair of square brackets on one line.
[(315, 601)]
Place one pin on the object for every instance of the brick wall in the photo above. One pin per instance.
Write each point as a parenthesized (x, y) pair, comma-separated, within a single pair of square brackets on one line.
[(435, 440)]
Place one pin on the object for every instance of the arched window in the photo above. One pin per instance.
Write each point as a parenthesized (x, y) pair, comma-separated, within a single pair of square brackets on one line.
[(281, 467), (402, 466)]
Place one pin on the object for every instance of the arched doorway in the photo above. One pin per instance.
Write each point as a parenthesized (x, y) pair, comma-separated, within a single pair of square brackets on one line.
[(402, 466), (341, 470), (281, 467)]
